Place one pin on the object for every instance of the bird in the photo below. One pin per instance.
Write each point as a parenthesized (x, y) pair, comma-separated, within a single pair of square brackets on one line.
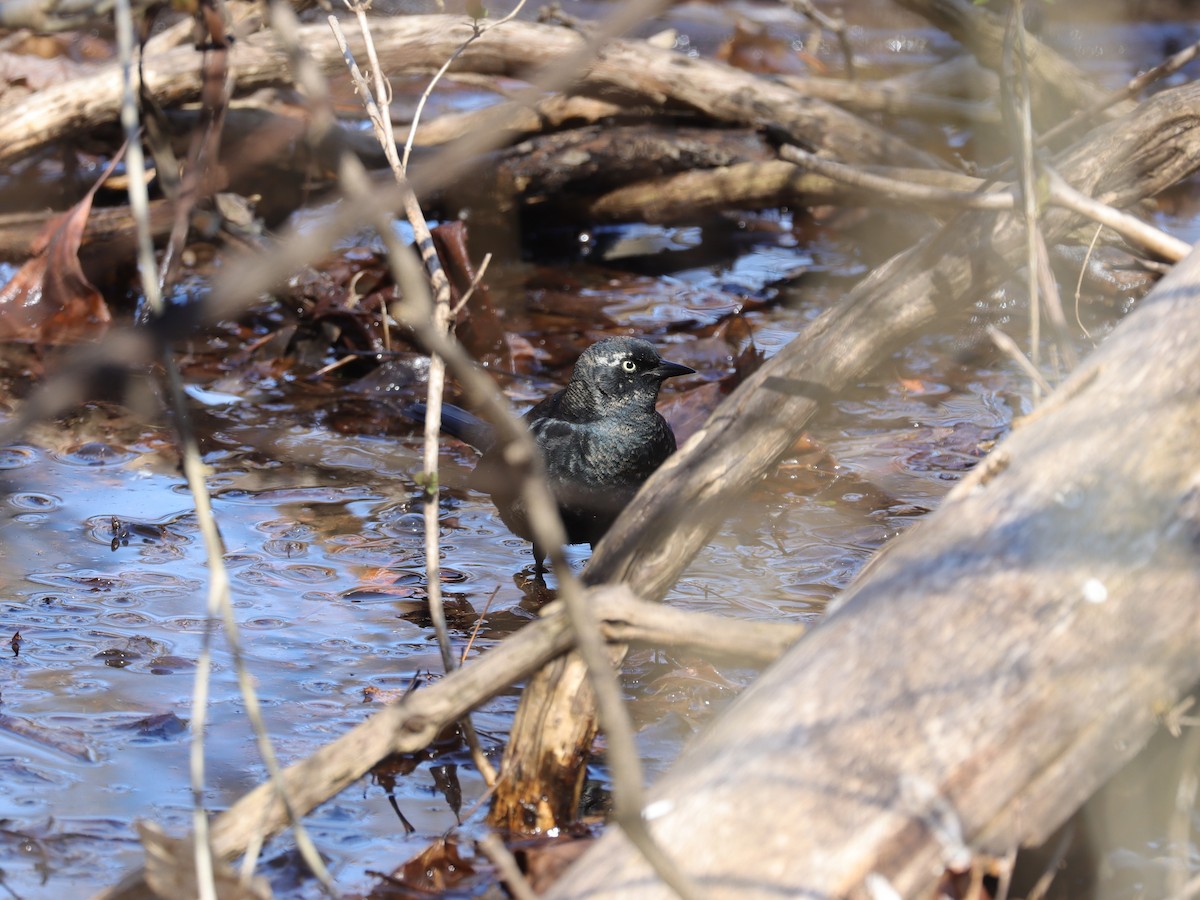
[(600, 438)]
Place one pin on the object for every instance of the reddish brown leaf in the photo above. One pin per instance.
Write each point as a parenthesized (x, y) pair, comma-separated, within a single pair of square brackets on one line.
[(478, 325), (544, 860), (687, 411), (437, 868), (50, 300)]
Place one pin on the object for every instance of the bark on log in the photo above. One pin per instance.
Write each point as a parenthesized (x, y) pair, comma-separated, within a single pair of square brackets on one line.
[(419, 43), (595, 159), (681, 505), (988, 671)]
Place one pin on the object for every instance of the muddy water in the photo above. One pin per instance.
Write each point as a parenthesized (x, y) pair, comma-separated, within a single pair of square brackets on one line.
[(104, 573)]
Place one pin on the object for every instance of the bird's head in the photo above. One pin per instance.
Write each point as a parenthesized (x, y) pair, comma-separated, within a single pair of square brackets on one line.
[(619, 373)]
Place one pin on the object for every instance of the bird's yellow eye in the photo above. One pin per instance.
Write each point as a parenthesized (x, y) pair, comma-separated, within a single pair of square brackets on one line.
[(629, 365)]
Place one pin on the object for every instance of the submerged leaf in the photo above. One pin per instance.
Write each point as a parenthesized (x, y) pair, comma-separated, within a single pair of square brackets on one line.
[(50, 300)]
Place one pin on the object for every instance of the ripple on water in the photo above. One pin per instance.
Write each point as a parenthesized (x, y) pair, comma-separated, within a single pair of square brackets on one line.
[(372, 551), (18, 457), (161, 540), (126, 589), (287, 529), (169, 665), (408, 525), (286, 549), (275, 497), (95, 453), (269, 574), (32, 501)]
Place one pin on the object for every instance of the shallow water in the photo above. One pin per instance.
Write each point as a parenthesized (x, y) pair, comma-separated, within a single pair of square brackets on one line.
[(324, 549), (104, 570)]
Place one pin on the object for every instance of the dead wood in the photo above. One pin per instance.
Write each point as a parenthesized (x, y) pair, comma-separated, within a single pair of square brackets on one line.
[(682, 504), (412, 723), (695, 195), (583, 162), (418, 43), (112, 227), (893, 99), (522, 120), (987, 672), (955, 93), (961, 77)]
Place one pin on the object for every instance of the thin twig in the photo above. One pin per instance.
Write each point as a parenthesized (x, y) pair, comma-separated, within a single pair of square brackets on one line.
[(479, 31), (1129, 227), (462, 302), (1006, 874), (1009, 346), (139, 203), (1053, 302), (1087, 258), (383, 95), (462, 660), (890, 187), (1058, 192), (1019, 91), (1042, 885), (440, 313)]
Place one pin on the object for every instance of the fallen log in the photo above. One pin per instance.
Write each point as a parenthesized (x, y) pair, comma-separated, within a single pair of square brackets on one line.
[(629, 69), (414, 721), (985, 674)]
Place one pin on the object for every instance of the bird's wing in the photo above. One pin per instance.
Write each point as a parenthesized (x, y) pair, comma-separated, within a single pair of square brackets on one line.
[(456, 422)]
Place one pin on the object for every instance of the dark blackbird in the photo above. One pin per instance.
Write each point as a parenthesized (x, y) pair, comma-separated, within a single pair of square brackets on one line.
[(600, 438)]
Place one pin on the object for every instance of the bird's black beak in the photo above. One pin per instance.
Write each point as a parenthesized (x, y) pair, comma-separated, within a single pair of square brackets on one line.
[(666, 369)]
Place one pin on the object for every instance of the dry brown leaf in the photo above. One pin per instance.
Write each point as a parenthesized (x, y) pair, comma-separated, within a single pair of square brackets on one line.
[(50, 300)]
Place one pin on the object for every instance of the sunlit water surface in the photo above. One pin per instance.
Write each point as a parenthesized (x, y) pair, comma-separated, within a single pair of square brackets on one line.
[(105, 575)]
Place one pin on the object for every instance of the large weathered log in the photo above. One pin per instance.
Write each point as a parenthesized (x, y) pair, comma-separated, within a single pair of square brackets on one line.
[(681, 505), (986, 673)]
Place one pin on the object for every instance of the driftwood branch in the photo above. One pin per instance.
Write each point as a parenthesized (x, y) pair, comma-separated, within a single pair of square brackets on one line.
[(630, 69), (680, 506), (987, 672)]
